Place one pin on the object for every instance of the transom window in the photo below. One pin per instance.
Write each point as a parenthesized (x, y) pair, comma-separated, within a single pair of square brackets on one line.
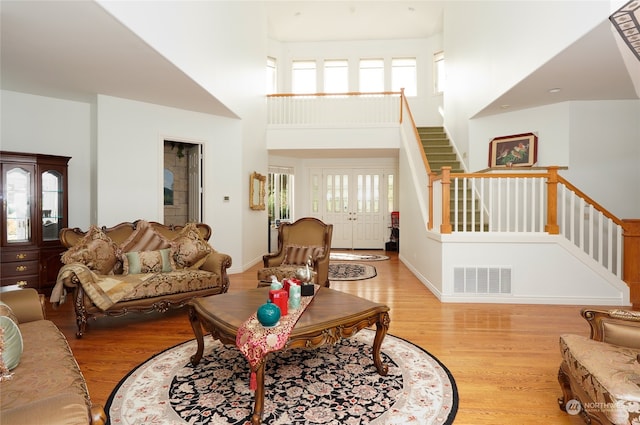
[(404, 76), (303, 77), (371, 75), (336, 76)]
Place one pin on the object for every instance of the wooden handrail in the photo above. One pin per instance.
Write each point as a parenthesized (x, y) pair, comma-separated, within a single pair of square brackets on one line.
[(415, 132), (596, 205)]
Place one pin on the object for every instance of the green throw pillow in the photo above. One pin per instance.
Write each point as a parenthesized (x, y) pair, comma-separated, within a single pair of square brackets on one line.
[(12, 350), (147, 262)]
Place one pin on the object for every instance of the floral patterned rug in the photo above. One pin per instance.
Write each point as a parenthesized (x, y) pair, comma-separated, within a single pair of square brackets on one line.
[(349, 256), (351, 271), (329, 385)]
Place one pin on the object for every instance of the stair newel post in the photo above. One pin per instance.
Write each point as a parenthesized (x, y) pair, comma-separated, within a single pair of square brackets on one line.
[(631, 259), (445, 227), (432, 178), (552, 202)]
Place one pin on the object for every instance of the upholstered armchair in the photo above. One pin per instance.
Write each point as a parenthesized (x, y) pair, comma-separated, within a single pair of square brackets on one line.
[(297, 241), (600, 375)]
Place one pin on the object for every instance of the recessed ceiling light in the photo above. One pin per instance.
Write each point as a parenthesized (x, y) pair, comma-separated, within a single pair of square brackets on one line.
[(412, 9), (297, 14), (505, 106), (554, 90)]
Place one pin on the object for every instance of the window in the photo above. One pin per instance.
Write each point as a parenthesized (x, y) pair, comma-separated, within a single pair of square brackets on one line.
[(438, 73), (280, 194), (371, 75), (403, 75), (272, 76), (303, 77), (336, 76)]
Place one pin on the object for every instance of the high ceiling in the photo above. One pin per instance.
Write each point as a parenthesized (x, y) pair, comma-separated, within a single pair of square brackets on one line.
[(42, 52)]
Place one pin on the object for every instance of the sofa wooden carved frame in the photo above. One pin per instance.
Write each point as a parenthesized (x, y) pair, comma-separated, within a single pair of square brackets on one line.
[(85, 309), (624, 330)]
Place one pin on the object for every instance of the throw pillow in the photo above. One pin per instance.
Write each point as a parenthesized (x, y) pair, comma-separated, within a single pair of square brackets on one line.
[(5, 310), (189, 247), (147, 262), (5, 373), (144, 238), (12, 343), (298, 255), (95, 250)]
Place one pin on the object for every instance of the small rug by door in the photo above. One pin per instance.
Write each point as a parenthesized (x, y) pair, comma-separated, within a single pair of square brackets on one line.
[(329, 385), (351, 271), (349, 256)]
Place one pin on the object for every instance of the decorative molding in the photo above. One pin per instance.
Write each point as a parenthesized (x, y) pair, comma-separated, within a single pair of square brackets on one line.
[(627, 21)]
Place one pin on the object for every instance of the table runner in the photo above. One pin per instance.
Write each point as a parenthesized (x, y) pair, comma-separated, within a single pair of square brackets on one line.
[(255, 341)]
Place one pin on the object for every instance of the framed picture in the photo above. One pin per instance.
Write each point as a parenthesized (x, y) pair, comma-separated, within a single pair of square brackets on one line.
[(519, 150)]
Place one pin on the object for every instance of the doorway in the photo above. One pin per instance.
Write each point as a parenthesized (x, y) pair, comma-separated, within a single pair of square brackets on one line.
[(182, 182), (357, 202)]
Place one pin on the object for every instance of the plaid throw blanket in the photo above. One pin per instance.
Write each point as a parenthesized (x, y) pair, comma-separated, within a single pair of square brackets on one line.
[(104, 291)]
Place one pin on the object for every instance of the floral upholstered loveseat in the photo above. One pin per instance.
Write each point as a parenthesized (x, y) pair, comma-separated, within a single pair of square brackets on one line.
[(600, 375), (138, 267)]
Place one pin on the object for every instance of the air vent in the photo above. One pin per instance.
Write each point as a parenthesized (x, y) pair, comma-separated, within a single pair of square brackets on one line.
[(482, 280)]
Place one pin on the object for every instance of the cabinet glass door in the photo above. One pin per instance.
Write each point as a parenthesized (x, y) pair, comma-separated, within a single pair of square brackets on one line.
[(52, 202), (18, 205)]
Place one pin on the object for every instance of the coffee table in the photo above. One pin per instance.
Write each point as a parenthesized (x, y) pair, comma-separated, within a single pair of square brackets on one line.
[(331, 316)]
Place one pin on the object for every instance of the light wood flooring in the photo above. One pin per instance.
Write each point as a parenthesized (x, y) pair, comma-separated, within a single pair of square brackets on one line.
[(504, 358)]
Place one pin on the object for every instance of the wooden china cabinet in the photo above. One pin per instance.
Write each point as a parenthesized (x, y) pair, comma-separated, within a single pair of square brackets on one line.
[(34, 210)]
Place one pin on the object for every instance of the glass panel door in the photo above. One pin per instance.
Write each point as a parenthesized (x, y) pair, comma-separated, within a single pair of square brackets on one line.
[(52, 202), (18, 191)]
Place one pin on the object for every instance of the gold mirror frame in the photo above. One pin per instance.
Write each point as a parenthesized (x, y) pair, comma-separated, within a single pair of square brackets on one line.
[(257, 191)]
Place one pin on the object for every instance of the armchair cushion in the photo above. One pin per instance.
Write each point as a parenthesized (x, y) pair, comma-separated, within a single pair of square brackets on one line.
[(298, 255), (608, 373)]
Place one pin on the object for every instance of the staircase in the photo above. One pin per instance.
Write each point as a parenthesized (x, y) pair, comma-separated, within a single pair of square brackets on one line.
[(440, 153)]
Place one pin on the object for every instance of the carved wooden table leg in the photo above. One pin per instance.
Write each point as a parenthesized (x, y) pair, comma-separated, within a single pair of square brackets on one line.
[(259, 398), (382, 325), (197, 331)]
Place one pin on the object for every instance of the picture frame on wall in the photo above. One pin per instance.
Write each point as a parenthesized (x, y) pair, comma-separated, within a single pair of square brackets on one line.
[(518, 150)]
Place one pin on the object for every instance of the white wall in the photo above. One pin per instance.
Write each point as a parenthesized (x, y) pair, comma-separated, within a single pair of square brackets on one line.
[(565, 279), (605, 154), (37, 124), (130, 146), (222, 45), (492, 45), (424, 106)]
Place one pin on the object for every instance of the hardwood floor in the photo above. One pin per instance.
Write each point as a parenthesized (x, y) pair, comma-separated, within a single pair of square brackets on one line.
[(504, 358)]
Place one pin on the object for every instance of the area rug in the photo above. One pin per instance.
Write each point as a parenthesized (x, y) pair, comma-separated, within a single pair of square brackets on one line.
[(329, 385), (348, 256), (351, 271)]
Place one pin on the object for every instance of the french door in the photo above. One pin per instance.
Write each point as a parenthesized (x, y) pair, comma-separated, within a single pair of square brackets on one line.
[(356, 202)]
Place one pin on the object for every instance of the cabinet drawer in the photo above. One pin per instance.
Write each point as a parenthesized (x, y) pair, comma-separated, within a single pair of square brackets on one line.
[(20, 268), (18, 255), (21, 281)]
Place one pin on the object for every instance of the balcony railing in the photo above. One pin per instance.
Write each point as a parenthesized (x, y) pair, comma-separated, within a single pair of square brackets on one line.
[(334, 109)]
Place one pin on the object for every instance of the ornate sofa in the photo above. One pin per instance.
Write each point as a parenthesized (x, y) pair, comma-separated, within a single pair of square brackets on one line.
[(600, 376), (45, 384), (138, 267)]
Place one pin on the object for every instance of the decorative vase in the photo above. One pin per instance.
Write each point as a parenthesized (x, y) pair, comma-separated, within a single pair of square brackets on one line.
[(268, 314)]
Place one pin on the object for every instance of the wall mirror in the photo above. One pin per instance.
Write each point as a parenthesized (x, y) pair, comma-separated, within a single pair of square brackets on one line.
[(257, 191)]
